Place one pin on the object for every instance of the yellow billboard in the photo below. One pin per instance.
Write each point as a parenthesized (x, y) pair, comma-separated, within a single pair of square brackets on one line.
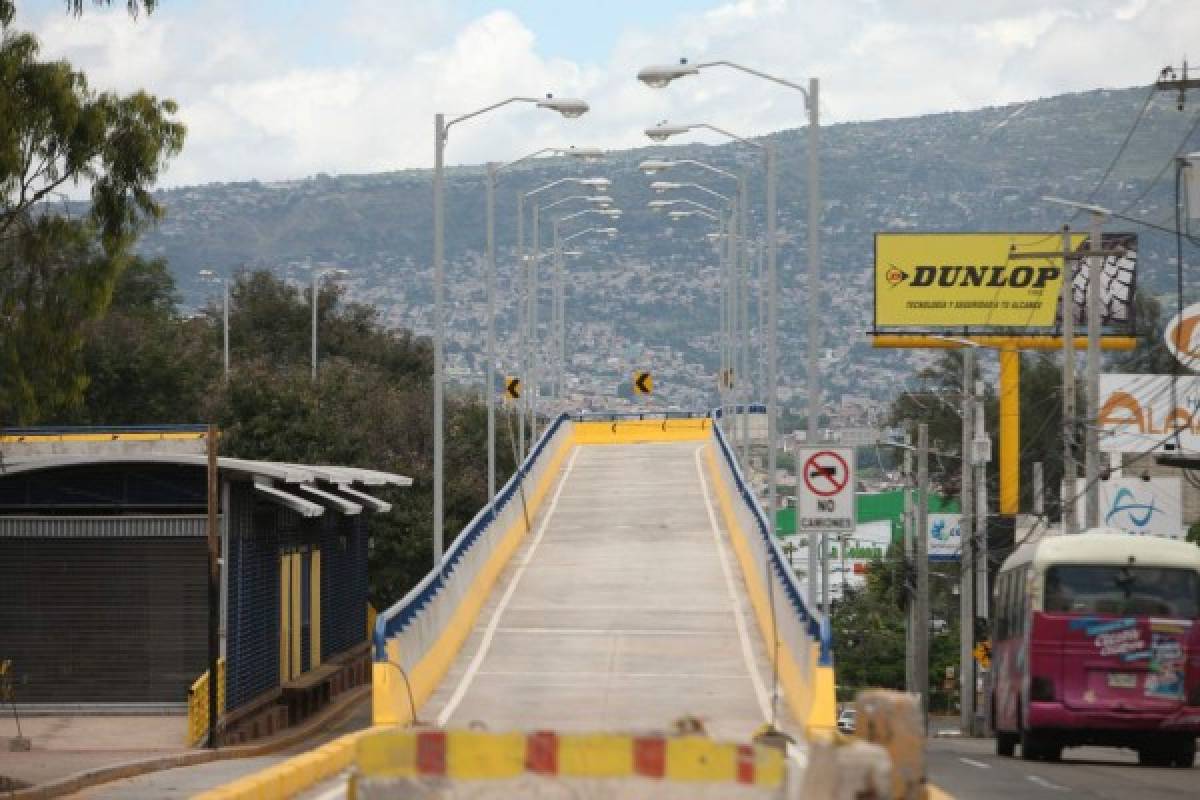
[(968, 280)]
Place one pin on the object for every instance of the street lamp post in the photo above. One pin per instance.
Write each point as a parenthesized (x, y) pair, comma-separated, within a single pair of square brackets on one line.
[(558, 318), (529, 359), (732, 278), (493, 169), (661, 132), (742, 269), (210, 275), (568, 108), (660, 76), (316, 277), (561, 299), (1091, 452)]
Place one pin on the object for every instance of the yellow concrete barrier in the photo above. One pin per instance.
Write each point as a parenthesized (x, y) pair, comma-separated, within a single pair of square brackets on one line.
[(197, 701), (637, 431), (481, 756)]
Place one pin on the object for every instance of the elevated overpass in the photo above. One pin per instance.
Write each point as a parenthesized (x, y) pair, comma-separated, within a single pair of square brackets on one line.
[(623, 582)]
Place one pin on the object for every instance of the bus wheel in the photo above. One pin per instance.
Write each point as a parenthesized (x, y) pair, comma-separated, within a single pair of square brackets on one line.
[(1183, 754), (1006, 744)]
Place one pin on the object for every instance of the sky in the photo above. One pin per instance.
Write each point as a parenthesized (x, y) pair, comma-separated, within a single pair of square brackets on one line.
[(284, 89)]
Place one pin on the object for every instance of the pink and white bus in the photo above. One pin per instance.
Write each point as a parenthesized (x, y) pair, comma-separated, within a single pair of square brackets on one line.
[(1097, 642)]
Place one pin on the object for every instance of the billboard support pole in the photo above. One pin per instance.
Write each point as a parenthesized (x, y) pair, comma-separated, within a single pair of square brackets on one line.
[(1010, 431)]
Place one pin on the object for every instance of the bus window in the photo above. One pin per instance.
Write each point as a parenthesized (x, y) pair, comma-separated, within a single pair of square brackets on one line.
[(1002, 606), (1123, 589)]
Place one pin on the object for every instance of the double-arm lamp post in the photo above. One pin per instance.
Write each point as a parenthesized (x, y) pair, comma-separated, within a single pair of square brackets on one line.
[(658, 77), (568, 108), (560, 292), (738, 242), (493, 170), (528, 358)]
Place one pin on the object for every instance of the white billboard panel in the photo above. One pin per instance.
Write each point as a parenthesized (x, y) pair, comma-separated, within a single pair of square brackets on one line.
[(1141, 414), (945, 537), (1151, 507)]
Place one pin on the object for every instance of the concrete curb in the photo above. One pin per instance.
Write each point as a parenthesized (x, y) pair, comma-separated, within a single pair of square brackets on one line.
[(101, 775)]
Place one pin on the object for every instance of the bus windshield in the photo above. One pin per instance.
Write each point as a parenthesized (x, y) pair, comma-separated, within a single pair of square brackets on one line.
[(1123, 589)]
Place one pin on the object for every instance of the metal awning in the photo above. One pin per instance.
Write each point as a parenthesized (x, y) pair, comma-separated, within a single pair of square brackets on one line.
[(337, 493), (306, 508), (343, 505)]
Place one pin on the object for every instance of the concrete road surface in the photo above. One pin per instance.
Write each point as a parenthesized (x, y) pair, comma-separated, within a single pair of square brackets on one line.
[(969, 769), (624, 611)]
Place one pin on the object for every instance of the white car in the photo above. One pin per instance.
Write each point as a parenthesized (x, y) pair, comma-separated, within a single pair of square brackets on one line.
[(845, 721)]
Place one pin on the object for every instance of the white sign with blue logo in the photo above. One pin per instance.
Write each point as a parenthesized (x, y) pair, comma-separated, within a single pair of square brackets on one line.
[(1152, 507), (945, 537)]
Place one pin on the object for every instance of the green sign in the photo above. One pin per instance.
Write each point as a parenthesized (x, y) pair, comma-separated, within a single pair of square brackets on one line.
[(871, 507)]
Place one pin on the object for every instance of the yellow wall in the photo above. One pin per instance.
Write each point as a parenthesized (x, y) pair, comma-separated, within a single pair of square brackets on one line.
[(634, 431)]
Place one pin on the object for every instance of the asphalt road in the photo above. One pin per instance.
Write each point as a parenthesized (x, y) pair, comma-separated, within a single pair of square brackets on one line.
[(969, 769)]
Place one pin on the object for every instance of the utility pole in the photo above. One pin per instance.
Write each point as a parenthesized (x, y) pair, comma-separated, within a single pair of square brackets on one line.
[(921, 634), (966, 560), (1039, 490), (910, 557), (981, 455), (1070, 521), (1168, 81), (522, 278), (1091, 469)]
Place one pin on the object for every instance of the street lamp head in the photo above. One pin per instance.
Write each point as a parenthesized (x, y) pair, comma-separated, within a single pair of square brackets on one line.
[(612, 213), (572, 253), (585, 153), (679, 214), (663, 130), (207, 273), (608, 231), (595, 183), (663, 186), (653, 165), (659, 75), (568, 107), (659, 205), (1099, 211), (600, 200)]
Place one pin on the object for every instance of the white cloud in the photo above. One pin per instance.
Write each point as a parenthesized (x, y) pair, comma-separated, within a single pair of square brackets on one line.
[(353, 87)]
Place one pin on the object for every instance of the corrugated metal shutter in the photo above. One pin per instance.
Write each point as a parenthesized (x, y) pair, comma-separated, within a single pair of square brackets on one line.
[(252, 653), (103, 619)]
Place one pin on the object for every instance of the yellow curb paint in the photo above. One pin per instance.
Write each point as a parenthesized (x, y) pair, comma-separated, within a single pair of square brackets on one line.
[(812, 702), (390, 704)]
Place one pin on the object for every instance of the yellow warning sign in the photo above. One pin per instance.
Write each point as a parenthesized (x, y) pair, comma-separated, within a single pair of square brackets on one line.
[(512, 387), (643, 382), (983, 654)]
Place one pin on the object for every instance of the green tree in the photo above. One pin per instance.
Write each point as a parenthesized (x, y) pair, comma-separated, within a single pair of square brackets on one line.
[(145, 363), (58, 269)]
